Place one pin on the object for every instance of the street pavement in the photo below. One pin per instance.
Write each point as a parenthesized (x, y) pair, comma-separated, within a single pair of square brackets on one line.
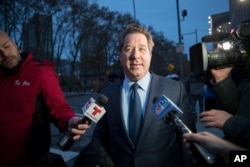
[(77, 101)]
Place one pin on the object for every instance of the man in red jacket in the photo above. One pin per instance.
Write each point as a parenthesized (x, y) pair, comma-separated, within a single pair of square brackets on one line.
[(31, 98)]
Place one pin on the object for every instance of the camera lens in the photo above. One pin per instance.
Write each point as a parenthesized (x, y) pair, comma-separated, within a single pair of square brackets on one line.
[(221, 58)]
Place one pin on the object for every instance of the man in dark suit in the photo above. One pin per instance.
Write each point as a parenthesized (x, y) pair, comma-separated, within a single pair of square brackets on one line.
[(158, 143)]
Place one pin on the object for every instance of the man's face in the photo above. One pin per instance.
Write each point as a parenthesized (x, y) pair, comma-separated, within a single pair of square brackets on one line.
[(9, 53), (135, 56)]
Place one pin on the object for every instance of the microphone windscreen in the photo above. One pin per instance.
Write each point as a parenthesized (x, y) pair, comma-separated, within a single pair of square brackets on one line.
[(102, 99)]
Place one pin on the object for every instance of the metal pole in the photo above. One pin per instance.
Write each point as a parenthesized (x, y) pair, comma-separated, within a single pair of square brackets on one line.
[(179, 39), (134, 10), (195, 32), (196, 36), (178, 21)]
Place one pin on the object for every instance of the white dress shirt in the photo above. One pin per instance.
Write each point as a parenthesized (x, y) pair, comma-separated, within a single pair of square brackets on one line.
[(142, 91)]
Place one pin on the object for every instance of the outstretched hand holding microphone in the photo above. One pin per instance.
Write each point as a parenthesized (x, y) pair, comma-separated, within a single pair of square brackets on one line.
[(93, 110), (213, 143), (164, 109)]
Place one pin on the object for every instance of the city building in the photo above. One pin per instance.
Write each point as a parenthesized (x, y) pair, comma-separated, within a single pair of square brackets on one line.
[(239, 12), (219, 23), (94, 60)]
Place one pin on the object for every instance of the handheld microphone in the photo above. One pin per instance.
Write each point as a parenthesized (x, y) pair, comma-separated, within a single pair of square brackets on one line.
[(165, 108), (93, 110)]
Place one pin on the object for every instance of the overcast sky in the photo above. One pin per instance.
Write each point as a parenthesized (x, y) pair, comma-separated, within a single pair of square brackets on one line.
[(162, 15)]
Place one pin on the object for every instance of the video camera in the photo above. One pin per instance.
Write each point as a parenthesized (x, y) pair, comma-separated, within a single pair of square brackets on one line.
[(232, 50)]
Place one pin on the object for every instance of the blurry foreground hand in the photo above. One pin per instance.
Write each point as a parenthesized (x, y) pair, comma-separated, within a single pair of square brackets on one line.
[(214, 118), (212, 143), (77, 129)]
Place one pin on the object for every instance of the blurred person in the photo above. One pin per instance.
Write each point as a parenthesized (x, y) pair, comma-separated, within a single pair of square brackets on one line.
[(114, 76), (213, 144), (234, 117), (195, 85), (210, 99), (31, 99), (157, 143), (97, 84), (232, 88)]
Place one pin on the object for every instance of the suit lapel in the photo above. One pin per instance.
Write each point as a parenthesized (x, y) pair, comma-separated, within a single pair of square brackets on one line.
[(117, 92)]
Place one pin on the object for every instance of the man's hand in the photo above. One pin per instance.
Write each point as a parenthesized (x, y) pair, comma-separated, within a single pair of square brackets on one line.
[(213, 143), (221, 74), (214, 118), (77, 129)]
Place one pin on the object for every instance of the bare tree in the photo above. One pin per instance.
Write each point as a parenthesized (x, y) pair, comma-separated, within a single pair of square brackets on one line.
[(85, 34), (164, 51)]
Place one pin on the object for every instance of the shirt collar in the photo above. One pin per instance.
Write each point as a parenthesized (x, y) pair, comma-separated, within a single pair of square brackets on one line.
[(143, 83)]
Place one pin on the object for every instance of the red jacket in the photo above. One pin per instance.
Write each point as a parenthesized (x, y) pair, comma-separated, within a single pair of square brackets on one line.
[(30, 99)]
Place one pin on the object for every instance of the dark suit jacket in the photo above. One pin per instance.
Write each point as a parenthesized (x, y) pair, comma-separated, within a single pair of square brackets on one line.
[(159, 143)]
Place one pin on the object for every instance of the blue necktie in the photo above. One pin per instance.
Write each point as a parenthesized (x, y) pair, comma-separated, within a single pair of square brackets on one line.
[(135, 113)]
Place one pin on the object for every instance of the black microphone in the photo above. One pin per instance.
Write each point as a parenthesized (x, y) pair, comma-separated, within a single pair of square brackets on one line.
[(93, 110), (164, 108)]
